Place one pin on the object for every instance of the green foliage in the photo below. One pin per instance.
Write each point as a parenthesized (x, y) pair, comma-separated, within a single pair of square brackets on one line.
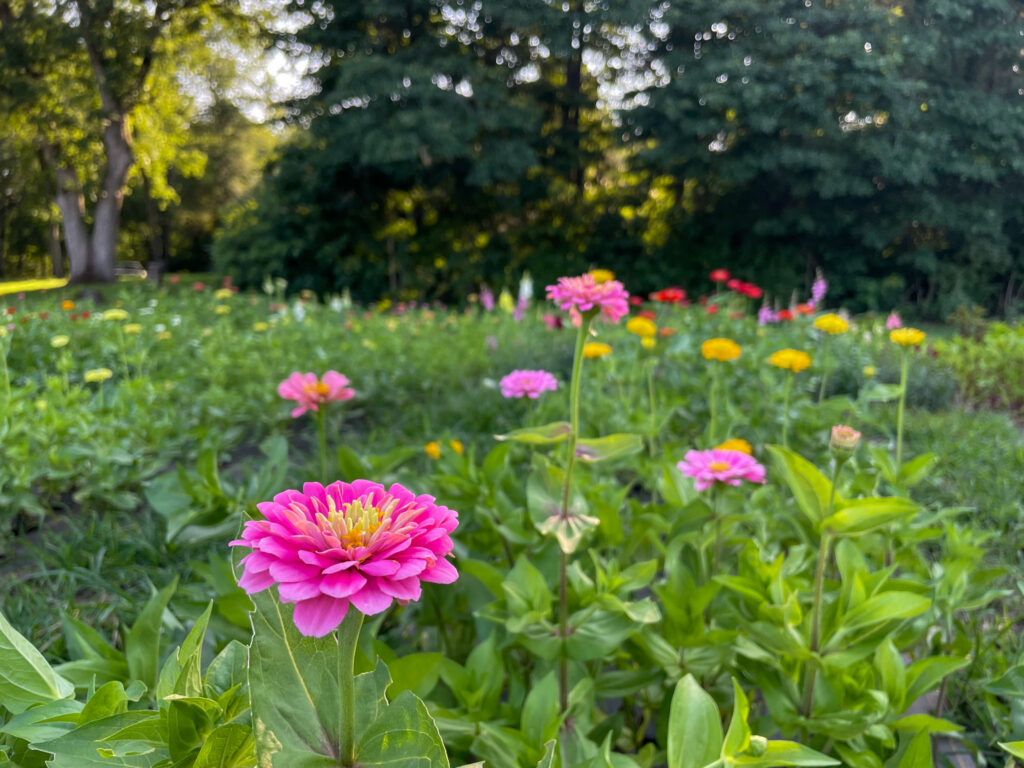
[(989, 370)]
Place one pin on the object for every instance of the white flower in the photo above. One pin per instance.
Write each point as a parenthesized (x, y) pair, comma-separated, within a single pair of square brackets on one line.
[(299, 311), (159, 327), (176, 321)]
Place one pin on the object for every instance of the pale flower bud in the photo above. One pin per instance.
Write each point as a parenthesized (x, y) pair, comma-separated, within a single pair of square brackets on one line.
[(844, 439)]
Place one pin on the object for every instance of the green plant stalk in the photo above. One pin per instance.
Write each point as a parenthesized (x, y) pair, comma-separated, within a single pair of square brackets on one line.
[(819, 589), (348, 639), (785, 408), (715, 392), (5, 379), (904, 370), (718, 531), (321, 433), (563, 561), (824, 371), (652, 446)]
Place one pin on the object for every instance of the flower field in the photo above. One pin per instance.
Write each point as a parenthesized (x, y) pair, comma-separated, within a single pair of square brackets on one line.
[(579, 528)]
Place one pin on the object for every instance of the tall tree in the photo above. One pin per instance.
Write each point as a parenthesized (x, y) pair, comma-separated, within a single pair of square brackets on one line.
[(73, 76)]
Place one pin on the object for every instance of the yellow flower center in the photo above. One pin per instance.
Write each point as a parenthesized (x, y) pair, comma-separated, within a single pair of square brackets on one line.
[(319, 389), (354, 523), (718, 466)]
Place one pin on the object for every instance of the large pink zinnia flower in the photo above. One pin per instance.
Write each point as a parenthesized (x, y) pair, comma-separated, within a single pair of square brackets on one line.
[(311, 392), (584, 293), (359, 544), (718, 466), (529, 384)]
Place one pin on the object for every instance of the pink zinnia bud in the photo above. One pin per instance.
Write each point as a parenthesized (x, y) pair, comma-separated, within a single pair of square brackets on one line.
[(721, 466), (310, 392), (844, 439), (583, 294), (893, 321), (529, 384), (347, 544)]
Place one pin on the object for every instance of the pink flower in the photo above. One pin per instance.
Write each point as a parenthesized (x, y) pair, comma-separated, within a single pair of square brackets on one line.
[(729, 467), (893, 321), (583, 294), (359, 544), (529, 384), (554, 322), (310, 393)]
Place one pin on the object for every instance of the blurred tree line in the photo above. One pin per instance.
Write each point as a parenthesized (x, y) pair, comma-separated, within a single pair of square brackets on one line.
[(445, 144)]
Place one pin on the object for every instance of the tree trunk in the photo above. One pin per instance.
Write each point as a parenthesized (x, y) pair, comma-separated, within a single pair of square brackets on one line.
[(107, 219), (56, 251), (157, 236), (72, 214)]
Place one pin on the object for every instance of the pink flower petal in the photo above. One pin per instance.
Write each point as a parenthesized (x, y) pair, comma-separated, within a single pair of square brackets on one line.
[(320, 615)]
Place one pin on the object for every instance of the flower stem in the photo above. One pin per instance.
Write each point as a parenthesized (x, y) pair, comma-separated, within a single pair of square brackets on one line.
[(348, 639), (650, 397), (718, 532), (819, 588), (321, 433), (824, 373), (712, 429), (785, 409), (563, 582), (904, 370)]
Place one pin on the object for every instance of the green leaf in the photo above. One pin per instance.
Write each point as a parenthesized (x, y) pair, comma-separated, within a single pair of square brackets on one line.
[(25, 676), (810, 487), (555, 432), (922, 722), (1010, 684), (926, 674), (416, 672), (552, 759), (228, 746), (595, 449), (737, 738), (44, 721), (110, 699), (128, 740), (694, 727), (916, 470), (886, 606), (893, 674), (1015, 748), (858, 516), (786, 753), (142, 645), (919, 752), (539, 720), (405, 736)]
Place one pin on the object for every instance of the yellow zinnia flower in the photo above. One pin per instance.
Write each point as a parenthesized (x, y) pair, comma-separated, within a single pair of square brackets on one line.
[(433, 449), (869, 371), (163, 336), (456, 446), (831, 323), (222, 293), (791, 360), (907, 337), (222, 309), (642, 327), (59, 341), (115, 314), (132, 328), (260, 327), (602, 275), (736, 444), (720, 349), (67, 304), (596, 349), (96, 375), (648, 342)]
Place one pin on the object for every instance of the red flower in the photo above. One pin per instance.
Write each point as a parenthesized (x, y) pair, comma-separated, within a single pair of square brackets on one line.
[(198, 286), (804, 309), (73, 317), (712, 309), (666, 331), (720, 275), (736, 315), (11, 310), (673, 295), (636, 301), (174, 279), (44, 315), (646, 313), (785, 315), (733, 285), (751, 291), (86, 315)]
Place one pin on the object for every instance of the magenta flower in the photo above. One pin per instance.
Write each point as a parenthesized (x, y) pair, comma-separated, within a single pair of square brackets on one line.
[(893, 321), (718, 466), (529, 384), (310, 392), (359, 545), (583, 293)]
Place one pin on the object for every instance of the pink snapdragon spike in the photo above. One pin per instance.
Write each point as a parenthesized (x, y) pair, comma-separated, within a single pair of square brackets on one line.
[(310, 392), (531, 384), (345, 545), (720, 466), (893, 321), (583, 293)]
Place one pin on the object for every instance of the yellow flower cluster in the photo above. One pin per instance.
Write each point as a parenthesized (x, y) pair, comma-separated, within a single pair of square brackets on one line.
[(791, 360), (907, 337), (115, 314), (736, 444), (132, 328), (433, 448), (596, 349), (222, 293), (602, 275), (832, 324), (642, 327), (222, 309), (260, 326), (720, 349), (97, 375)]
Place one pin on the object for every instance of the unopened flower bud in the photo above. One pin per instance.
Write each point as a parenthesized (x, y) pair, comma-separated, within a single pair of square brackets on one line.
[(844, 439), (758, 746)]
